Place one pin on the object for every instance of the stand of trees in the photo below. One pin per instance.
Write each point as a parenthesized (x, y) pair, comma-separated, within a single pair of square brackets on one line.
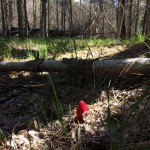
[(104, 18)]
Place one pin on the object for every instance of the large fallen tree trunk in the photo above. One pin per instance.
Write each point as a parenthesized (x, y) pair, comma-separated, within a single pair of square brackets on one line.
[(116, 66)]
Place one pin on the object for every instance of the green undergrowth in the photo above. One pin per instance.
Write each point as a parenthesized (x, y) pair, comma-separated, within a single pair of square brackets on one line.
[(54, 46)]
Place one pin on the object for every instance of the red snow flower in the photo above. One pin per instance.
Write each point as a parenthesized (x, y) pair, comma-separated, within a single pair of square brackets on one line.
[(82, 107)]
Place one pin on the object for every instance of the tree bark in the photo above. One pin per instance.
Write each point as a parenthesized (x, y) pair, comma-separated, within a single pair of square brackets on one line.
[(26, 18), (10, 3), (6, 16), (130, 3), (144, 23), (70, 16), (137, 16), (43, 21), (101, 7), (90, 15), (57, 15), (147, 17), (20, 18), (48, 14), (115, 67), (34, 14), (122, 20), (62, 15), (3, 17)]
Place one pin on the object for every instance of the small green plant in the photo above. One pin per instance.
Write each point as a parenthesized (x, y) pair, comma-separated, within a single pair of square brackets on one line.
[(7, 53), (43, 52), (2, 137), (111, 126), (58, 106), (43, 110), (30, 55)]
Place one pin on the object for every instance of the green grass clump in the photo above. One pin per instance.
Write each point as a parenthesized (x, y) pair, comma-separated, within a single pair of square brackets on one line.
[(54, 46), (134, 40)]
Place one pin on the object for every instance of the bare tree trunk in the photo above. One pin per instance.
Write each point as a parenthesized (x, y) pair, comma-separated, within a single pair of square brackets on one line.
[(122, 20), (90, 14), (57, 15), (45, 16), (14, 11), (118, 19), (130, 3), (20, 18), (81, 19), (6, 18), (3, 17), (10, 3), (95, 21), (62, 15), (26, 18), (137, 16), (144, 22), (43, 21), (48, 14), (101, 6), (64, 21), (147, 17), (70, 16), (34, 13)]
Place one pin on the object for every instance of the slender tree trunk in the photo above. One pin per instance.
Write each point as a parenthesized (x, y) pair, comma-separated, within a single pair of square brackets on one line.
[(10, 13), (48, 14), (122, 20), (96, 21), (62, 15), (147, 17), (6, 17), (20, 18), (118, 20), (90, 15), (26, 18), (101, 6), (70, 16), (81, 19), (14, 11), (130, 3), (64, 21), (144, 23), (45, 17), (137, 16), (57, 15), (3, 17), (43, 21), (34, 13)]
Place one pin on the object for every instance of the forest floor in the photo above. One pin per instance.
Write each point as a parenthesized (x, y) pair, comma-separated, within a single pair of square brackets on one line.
[(118, 118)]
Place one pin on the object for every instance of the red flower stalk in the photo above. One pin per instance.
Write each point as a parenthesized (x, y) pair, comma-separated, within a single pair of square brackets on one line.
[(82, 107)]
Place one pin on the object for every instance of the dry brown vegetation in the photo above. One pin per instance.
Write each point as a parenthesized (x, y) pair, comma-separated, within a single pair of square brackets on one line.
[(29, 119)]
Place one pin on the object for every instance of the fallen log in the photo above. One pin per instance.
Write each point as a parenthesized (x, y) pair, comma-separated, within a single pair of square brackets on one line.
[(116, 66)]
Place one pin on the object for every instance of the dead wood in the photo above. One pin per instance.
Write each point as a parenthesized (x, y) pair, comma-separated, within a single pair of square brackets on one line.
[(116, 66)]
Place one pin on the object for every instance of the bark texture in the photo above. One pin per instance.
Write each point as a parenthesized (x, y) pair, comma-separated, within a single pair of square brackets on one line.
[(119, 66)]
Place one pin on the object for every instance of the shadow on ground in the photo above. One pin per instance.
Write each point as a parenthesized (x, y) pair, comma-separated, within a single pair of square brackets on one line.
[(25, 95), (135, 51), (23, 53)]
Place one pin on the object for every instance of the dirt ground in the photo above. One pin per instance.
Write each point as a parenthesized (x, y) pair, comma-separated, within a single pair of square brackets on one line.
[(30, 108)]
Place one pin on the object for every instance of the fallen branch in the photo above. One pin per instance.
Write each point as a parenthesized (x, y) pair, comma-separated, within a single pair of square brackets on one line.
[(23, 86), (117, 66)]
